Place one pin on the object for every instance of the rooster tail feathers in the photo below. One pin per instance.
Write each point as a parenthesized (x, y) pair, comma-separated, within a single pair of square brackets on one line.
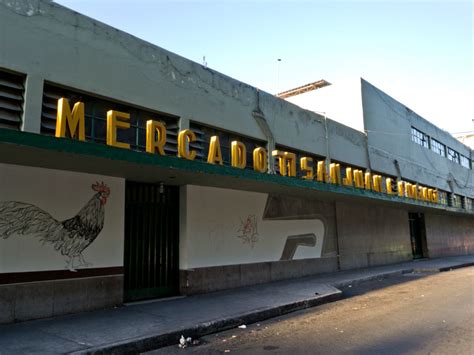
[(24, 219)]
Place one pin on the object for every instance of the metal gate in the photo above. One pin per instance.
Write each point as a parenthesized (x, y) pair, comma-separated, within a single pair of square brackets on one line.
[(151, 264)]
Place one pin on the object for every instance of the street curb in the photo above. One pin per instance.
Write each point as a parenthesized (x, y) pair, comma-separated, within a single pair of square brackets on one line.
[(363, 279), (399, 272), (443, 269), (150, 342)]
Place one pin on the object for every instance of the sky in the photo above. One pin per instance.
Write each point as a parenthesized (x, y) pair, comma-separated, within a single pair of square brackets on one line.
[(420, 53)]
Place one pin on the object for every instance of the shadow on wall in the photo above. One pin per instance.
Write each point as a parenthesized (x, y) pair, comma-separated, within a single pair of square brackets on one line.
[(288, 208)]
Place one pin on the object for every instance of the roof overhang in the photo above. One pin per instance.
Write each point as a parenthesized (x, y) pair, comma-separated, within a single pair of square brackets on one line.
[(37, 150), (303, 89)]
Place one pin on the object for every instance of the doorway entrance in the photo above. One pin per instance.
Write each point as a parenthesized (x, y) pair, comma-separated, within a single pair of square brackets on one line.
[(417, 234), (151, 264)]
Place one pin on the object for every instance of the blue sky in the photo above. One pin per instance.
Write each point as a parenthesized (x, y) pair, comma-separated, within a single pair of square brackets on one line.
[(420, 53)]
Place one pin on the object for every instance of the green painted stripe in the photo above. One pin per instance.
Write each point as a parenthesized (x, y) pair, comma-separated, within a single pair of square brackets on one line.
[(67, 145)]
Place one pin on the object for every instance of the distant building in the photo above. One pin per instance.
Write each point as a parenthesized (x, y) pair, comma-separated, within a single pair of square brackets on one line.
[(128, 172), (466, 138)]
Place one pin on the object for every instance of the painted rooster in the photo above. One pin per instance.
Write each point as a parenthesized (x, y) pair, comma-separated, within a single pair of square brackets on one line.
[(69, 237)]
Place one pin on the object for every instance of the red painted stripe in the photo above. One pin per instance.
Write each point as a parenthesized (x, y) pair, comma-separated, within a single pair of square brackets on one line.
[(34, 276)]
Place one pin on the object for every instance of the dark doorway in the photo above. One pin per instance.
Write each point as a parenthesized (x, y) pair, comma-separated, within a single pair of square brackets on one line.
[(417, 234), (151, 265)]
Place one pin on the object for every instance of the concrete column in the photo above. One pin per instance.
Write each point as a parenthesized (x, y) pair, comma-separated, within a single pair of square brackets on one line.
[(183, 123), (271, 159), (32, 104)]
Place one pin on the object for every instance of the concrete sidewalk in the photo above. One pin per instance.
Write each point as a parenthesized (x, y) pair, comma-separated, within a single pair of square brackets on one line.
[(141, 327)]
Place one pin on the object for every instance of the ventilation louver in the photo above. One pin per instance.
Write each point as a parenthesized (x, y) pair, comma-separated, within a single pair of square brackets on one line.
[(96, 114), (12, 90), (204, 133)]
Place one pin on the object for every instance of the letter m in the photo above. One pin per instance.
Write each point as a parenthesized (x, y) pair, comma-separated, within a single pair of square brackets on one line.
[(72, 122)]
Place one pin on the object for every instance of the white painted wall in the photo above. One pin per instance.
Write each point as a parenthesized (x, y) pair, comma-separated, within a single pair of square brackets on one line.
[(62, 194), (212, 224)]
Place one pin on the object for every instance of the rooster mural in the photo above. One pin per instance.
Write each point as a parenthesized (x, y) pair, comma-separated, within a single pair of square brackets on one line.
[(69, 237)]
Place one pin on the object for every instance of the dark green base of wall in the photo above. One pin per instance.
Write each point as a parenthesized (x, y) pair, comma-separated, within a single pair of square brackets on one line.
[(33, 300), (209, 279)]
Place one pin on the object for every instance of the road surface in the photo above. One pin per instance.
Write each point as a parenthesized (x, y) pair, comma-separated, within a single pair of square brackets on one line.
[(411, 313)]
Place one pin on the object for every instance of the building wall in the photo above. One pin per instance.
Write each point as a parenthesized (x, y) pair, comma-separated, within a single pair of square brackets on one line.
[(35, 247), (370, 235), (449, 235), (466, 138), (343, 140), (161, 81), (391, 150), (232, 238), (228, 238), (363, 235), (70, 50)]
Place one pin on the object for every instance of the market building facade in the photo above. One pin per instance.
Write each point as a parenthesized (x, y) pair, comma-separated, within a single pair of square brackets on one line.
[(131, 173)]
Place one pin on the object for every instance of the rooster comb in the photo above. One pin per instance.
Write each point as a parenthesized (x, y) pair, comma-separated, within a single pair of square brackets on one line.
[(100, 187)]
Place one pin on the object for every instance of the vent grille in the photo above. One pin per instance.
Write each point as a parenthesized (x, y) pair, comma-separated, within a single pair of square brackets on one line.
[(96, 119), (12, 88)]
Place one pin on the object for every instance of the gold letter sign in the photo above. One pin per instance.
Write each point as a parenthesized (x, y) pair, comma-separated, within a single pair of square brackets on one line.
[(154, 128), (71, 124), (184, 138), (238, 155), (112, 124), (215, 155), (73, 120), (260, 163)]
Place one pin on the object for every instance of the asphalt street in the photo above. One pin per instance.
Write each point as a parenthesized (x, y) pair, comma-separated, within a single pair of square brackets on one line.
[(416, 313)]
